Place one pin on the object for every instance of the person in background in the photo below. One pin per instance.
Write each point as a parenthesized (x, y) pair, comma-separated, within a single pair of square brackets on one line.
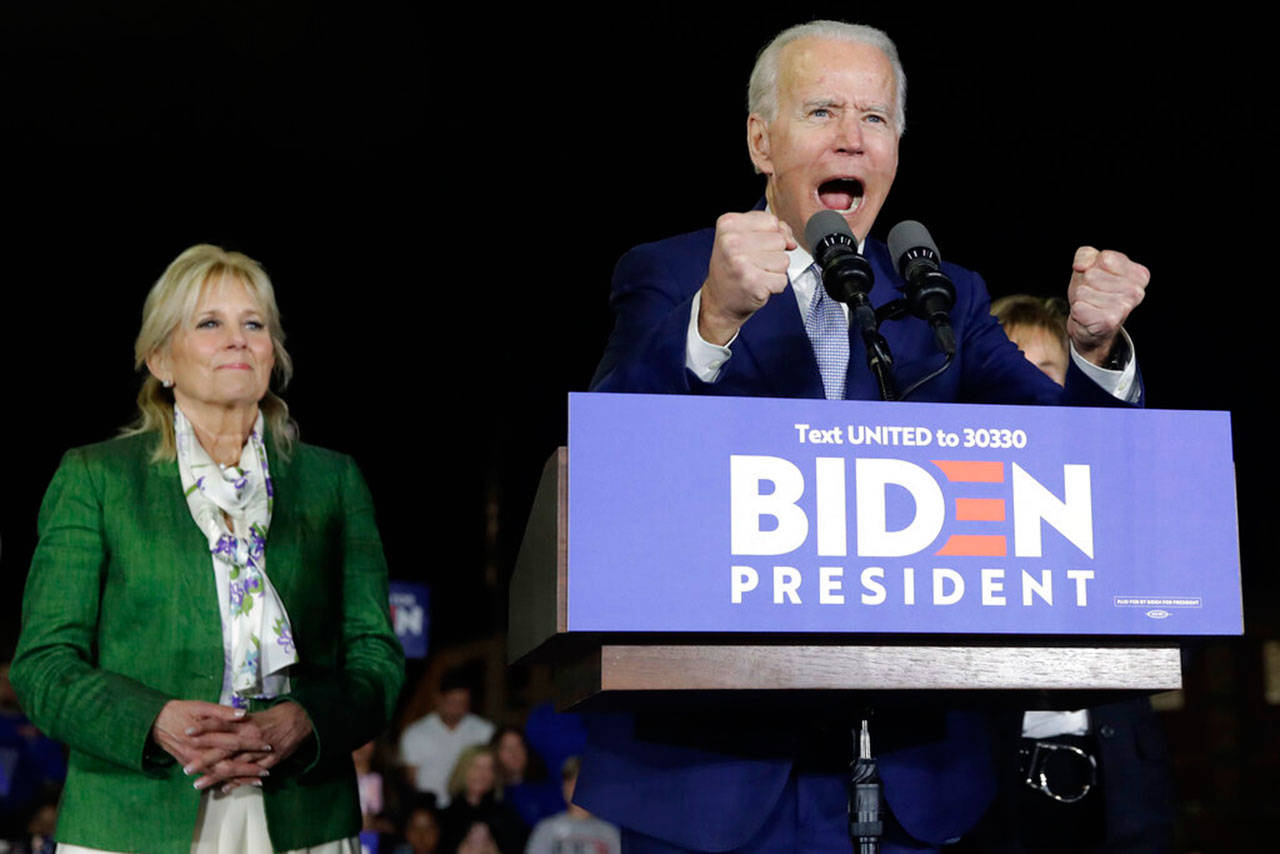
[(368, 783), (554, 736), (379, 798), (1038, 325), (512, 752), (206, 622), (40, 828), (1100, 777), (31, 765), (523, 777), (430, 746), (476, 796), (479, 840), (574, 831), (421, 827)]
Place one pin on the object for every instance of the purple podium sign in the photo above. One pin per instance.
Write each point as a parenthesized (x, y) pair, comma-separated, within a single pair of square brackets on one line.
[(714, 514)]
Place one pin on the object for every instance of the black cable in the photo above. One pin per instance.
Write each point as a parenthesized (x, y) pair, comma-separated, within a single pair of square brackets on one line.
[(946, 364)]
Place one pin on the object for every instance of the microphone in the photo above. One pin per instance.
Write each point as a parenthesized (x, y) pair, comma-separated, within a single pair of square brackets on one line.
[(845, 273), (847, 278), (928, 290)]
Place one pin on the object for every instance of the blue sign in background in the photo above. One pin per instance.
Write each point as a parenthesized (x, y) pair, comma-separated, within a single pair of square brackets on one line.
[(650, 522), (411, 616)]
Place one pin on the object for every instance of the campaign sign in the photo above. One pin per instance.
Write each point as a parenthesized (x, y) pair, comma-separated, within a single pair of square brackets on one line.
[(410, 616), (715, 514)]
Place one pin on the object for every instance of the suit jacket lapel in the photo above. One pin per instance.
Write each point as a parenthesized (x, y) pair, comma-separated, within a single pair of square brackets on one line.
[(777, 342), (182, 546), (860, 383), (888, 283), (282, 538)]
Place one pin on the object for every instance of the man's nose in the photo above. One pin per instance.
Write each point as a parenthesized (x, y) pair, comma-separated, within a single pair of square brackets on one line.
[(848, 138)]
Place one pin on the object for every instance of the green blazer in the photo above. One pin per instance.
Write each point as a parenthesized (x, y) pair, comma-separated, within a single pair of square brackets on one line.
[(120, 615)]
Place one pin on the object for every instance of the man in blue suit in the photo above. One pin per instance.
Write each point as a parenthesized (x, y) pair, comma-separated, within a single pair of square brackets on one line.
[(739, 310)]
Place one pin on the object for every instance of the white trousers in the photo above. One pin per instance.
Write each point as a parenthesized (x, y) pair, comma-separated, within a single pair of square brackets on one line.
[(234, 823)]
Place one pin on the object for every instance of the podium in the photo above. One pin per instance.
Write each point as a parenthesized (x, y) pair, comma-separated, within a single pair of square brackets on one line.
[(638, 627)]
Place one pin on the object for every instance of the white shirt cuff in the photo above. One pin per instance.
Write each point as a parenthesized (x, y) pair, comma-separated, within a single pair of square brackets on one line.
[(701, 356), (1049, 724), (1120, 384)]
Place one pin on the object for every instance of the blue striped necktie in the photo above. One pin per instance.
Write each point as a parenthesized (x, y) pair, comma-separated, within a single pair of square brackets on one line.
[(829, 333)]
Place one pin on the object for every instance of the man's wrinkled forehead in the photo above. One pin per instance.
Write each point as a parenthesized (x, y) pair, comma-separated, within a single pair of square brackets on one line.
[(815, 61)]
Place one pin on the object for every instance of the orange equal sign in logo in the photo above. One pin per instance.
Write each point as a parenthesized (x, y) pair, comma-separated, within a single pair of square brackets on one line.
[(975, 509)]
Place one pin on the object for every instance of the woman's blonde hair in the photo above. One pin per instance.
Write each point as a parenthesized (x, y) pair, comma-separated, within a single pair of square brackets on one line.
[(458, 779), (173, 299)]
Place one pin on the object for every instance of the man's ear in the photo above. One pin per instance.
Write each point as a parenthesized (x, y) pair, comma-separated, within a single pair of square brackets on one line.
[(758, 144)]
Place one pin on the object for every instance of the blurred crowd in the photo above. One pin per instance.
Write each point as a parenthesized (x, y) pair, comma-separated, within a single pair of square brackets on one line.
[(455, 782), (32, 769)]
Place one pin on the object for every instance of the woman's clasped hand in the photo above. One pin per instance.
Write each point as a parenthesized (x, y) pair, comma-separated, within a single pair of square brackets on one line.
[(228, 746)]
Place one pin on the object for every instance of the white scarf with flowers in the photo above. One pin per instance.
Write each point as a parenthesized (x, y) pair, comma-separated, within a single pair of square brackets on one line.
[(256, 634)]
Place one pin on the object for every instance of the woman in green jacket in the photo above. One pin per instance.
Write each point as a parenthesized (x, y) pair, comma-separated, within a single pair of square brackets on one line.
[(205, 623)]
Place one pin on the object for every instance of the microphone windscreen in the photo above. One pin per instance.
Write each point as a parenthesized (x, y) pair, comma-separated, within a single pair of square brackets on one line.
[(824, 224), (908, 235)]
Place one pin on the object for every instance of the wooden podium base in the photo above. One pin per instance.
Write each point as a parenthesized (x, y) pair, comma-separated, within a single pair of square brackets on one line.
[(665, 667)]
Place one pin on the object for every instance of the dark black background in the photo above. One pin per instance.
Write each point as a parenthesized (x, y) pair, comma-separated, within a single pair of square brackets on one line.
[(440, 197)]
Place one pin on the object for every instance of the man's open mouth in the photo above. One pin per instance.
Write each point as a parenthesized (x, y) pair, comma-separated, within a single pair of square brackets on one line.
[(841, 194)]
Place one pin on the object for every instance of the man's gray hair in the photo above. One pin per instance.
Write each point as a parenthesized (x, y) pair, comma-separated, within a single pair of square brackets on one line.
[(762, 90)]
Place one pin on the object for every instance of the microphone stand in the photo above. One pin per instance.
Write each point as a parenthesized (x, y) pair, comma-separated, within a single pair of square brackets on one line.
[(866, 824), (879, 359), (897, 309)]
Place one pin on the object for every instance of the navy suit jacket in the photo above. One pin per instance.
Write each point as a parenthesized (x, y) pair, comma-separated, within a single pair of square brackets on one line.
[(653, 289), (712, 800)]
